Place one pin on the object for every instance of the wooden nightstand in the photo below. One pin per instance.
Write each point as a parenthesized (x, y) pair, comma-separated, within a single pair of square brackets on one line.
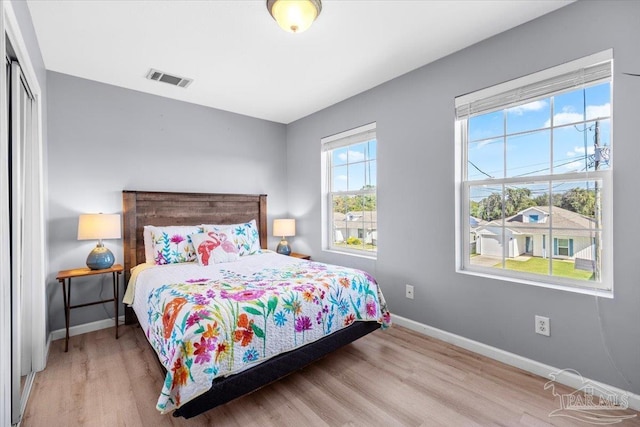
[(65, 276), (301, 256)]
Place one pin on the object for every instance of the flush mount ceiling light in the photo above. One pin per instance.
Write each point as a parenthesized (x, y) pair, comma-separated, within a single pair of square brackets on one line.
[(294, 16)]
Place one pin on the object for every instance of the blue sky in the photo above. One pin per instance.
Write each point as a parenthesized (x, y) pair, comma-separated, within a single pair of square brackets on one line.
[(354, 166), (528, 135)]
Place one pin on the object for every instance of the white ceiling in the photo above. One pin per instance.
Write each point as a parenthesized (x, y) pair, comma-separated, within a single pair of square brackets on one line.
[(241, 61)]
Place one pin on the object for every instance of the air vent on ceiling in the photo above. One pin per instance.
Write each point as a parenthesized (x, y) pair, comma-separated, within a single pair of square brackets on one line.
[(161, 76)]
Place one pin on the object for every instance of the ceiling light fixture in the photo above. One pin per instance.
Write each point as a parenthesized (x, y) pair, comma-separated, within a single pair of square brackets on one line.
[(294, 16)]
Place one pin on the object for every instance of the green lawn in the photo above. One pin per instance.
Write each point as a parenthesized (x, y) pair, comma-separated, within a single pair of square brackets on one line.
[(541, 266)]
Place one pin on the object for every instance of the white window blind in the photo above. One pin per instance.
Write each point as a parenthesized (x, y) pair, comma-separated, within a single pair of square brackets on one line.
[(353, 136), (590, 70)]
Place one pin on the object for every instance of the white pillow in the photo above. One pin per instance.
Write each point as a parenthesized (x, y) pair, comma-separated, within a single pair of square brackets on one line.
[(245, 236), (148, 244), (170, 244), (214, 247)]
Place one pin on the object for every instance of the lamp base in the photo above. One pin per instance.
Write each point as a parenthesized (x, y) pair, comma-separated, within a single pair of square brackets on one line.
[(283, 248), (100, 258)]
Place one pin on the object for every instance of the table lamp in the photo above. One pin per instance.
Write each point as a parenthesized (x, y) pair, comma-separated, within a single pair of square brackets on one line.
[(284, 228), (99, 226)]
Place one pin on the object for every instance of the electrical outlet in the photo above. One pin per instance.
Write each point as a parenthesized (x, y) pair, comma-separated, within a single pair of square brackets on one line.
[(543, 327), (409, 291)]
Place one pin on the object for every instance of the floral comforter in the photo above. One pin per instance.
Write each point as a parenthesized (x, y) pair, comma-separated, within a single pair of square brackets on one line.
[(206, 322)]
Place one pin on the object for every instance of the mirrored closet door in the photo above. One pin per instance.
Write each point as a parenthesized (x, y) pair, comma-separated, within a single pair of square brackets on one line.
[(21, 108)]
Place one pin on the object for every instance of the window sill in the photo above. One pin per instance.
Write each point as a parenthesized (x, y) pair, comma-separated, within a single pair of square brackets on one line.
[(603, 293), (353, 254)]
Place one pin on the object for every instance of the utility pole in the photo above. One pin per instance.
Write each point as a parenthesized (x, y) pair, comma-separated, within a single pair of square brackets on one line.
[(597, 209)]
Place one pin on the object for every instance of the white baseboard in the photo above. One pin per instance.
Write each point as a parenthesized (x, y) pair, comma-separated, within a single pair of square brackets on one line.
[(566, 377), (83, 329)]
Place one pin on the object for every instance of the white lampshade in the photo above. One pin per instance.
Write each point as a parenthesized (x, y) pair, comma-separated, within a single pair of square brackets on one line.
[(294, 16), (284, 227), (99, 226)]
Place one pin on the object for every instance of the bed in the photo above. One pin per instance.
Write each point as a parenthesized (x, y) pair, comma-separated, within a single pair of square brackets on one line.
[(220, 328)]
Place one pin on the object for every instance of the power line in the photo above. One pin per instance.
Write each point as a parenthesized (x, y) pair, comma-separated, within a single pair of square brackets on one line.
[(480, 170)]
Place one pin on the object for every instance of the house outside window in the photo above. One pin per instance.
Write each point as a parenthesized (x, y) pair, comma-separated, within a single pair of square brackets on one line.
[(534, 165), (349, 191)]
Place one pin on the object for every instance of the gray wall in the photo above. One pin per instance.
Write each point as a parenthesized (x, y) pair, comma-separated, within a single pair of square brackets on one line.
[(104, 139), (415, 125)]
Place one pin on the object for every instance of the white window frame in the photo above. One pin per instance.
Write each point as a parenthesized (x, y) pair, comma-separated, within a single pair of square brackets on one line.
[(328, 144), (585, 71)]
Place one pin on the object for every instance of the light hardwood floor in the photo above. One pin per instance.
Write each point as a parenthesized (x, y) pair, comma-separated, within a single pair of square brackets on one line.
[(388, 378)]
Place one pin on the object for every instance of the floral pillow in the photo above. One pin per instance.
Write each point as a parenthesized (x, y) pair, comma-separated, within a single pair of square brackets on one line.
[(171, 245), (214, 247), (244, 236)]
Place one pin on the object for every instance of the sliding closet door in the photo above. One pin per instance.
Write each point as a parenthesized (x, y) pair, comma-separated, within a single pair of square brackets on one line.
[(5, 260), (21, 138), (22, 226)]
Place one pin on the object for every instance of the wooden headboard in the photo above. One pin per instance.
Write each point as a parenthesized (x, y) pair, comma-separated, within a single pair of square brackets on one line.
[(142, 208)]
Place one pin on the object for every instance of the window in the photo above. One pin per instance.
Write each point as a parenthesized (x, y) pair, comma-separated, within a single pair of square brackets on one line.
[(534, 165), (349, 183), (563, 247)]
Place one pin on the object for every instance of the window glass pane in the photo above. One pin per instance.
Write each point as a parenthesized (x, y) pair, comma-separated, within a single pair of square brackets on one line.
[(486, 126), (574, 147), (485, 159), (568, 108), (528, 264), (485, 202), (356, 177), (531, 116), (524, 208), (577, 205), (528, 154), (355, 222), (370, 223), (339, 156), (598, 100), (340, 209), (371, 174), (489, 248), (356, 152), (372, 147), (603, 154), (574, 254), (339, 178)]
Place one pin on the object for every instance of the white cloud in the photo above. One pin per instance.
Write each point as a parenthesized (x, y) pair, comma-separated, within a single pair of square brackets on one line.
[(532, 106), (564, 118), (341, 178), (579, 151), (596, 111), (354, 156), (569, 116)]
